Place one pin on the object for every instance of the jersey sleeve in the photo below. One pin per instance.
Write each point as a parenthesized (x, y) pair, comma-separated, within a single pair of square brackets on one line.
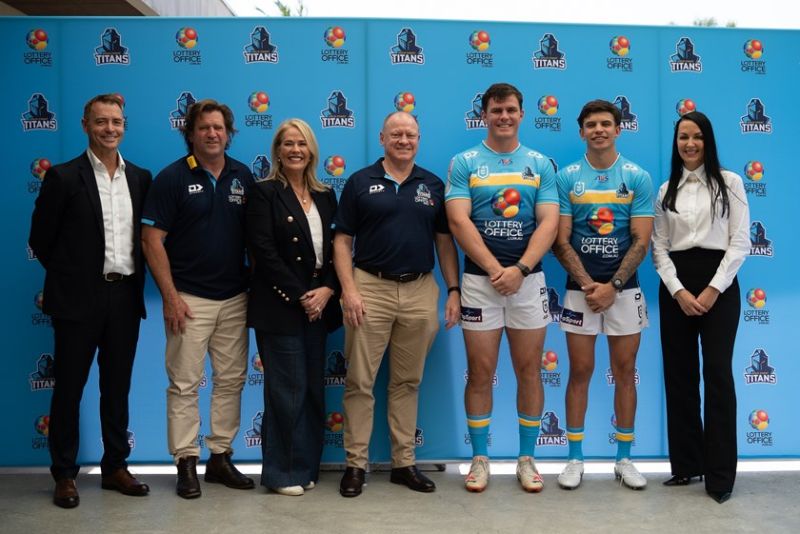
[(457, 179), (563, 187), (548, 191), (642, 195), (161, 205)]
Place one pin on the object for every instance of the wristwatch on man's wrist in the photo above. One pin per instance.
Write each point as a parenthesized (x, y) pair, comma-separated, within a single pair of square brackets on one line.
[(618, 284), (523, 268)]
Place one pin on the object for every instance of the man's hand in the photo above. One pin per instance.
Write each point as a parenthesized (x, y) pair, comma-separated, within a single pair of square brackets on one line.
[(176, 311), (452, 309), (507, 281), (599, 296), (353, 308)]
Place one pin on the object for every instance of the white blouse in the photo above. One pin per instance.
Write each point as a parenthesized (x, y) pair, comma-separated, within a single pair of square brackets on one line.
[(315, 225), (692, 227)]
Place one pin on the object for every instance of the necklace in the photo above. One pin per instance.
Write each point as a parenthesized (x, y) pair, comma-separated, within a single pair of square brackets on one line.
[(301, 197)]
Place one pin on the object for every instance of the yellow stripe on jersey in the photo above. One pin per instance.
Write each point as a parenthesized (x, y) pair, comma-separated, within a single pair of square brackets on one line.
[(505, 178), (528, 423), (478, 423), (599, 197)]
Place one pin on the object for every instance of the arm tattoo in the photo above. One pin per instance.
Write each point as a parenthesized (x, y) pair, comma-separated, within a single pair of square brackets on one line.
[(632, 259), (571, 262)]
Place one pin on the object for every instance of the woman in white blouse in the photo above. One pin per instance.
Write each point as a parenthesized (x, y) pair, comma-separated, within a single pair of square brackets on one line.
[(700, 239)]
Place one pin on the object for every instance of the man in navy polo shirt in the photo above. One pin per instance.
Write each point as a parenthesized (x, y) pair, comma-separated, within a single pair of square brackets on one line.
[(193, 237), (393, 212)]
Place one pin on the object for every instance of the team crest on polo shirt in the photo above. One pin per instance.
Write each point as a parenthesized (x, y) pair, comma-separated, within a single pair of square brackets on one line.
[(237, 192), (379, 188), (483, 172), (622, 191), (579, 188), (423, 195)]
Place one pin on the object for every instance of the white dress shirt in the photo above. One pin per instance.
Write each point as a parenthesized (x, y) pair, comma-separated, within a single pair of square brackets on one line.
[(115, 200), (315, 225), (692, 227)]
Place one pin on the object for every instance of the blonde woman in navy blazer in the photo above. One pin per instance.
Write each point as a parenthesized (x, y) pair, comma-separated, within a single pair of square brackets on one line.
[(293, 305)]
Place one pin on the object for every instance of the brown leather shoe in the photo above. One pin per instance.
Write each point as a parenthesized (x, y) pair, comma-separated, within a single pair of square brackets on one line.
[(220, 469), (124, 482), (66, 493)]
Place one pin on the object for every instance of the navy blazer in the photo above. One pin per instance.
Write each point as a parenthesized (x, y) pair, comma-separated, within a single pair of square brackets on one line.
[(68, 237), (279, 243)]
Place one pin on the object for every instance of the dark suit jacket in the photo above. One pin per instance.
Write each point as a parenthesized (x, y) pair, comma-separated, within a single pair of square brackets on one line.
[(279, 242), (68, 239)]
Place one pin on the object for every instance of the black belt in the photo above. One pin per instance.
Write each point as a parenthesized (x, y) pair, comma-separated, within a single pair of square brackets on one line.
[(402, 277), (116, 277)]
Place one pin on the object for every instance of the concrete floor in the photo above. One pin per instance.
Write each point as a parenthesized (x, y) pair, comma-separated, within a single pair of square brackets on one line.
[(763, 502)]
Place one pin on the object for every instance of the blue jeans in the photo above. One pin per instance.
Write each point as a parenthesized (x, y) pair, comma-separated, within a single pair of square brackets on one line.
[(293, 430)]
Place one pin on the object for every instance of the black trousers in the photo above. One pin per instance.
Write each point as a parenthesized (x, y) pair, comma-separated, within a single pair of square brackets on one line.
[(698, 446), (111, 330)]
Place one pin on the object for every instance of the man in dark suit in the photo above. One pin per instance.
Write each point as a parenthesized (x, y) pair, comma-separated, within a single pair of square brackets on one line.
[(85, 233)]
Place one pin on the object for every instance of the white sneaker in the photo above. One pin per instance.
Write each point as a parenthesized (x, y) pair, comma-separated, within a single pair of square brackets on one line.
[(528, 475), (627, 474), (311, 485), (292, 491), (478, 477), (571, 476)]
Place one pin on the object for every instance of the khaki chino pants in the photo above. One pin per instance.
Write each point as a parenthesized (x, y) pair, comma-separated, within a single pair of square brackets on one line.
[(218, 329), (404, 317)]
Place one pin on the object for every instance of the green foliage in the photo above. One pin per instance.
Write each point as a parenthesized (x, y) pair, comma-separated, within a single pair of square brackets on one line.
[(286, 11)]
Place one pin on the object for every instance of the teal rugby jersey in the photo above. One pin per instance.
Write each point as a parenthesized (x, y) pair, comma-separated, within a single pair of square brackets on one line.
[(602, 203), (504, 190)]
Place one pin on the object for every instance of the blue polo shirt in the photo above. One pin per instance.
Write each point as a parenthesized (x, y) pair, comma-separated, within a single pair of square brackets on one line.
[(204, 221), (394, 225)]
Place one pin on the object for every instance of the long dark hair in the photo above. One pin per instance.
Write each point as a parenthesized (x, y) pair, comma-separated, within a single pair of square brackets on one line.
[(716, 184)]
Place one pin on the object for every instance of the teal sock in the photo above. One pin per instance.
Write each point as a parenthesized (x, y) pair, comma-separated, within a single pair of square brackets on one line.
[(478, 426), (528, 433), (624, 442), (575, 440)]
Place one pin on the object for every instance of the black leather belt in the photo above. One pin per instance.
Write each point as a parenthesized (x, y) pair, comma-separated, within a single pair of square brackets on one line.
[(115, 277), (402, 278)]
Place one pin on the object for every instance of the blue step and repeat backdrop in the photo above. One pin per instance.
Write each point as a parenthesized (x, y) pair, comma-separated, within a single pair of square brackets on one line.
[(343, 76)]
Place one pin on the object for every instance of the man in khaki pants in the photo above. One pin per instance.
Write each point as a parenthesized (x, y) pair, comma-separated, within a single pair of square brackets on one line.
[(394, 211), (193, 238)]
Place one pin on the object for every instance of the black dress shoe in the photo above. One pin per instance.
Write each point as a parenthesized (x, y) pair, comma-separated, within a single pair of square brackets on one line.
[(66, 493), (352, 482), (412, 477), (220, 469), (678, 480), (719, 496), (188, 486)]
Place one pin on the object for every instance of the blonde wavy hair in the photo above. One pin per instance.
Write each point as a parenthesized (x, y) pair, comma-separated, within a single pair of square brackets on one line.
[(310, 173)]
